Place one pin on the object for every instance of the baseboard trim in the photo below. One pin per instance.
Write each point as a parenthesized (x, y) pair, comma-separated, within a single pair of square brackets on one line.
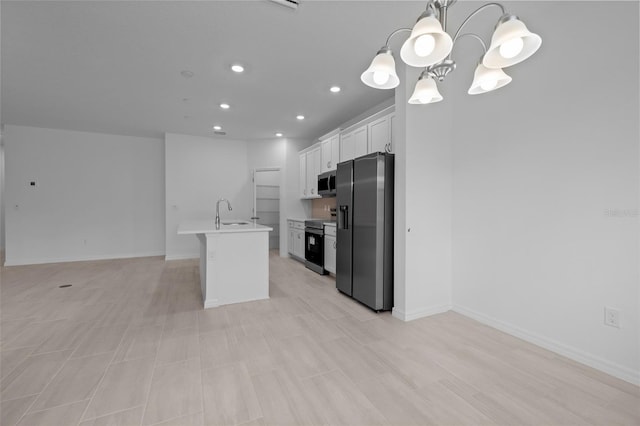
[(182, 256), (419, 313), (65, 259), (211, 303), (214, 303), (616, 370)]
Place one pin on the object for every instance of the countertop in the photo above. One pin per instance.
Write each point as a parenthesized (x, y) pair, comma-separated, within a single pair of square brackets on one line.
[(325, 221), (209, 227), (296, 219)]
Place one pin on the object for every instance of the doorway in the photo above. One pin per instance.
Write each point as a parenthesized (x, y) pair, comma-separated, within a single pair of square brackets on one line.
[(266, 202)]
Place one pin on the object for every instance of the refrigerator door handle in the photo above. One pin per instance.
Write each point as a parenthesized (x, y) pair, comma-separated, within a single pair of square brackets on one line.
[(343, 218)]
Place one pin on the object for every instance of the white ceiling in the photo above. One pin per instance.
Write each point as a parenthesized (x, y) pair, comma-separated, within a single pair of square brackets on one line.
[(115, 66)]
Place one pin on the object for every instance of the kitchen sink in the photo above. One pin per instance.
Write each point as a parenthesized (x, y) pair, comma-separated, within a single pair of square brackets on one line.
[(235, 222)]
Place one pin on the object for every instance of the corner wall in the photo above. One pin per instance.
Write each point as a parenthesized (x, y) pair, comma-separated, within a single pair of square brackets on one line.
[(97, 196), (422, 214)]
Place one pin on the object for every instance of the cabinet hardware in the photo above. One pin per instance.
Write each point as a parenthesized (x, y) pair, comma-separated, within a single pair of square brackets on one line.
[(334, 244)]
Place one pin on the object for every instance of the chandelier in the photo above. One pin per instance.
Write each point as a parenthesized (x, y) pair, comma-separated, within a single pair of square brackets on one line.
[(430, 46)]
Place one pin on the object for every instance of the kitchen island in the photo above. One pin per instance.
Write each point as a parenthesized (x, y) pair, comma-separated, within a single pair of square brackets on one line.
[(234, 260)]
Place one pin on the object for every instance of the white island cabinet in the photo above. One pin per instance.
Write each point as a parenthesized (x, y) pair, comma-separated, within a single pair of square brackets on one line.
[(234, 260)]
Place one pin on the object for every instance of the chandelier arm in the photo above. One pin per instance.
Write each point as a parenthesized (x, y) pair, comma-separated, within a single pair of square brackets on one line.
[(476, 36), (399, 30), (474, 13)]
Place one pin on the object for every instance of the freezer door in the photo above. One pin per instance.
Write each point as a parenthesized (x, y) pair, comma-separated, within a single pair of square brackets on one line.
[(368, 230), (344, 235)]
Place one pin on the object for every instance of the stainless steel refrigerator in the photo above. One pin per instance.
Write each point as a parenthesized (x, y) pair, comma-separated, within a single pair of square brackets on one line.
[(364, 252)]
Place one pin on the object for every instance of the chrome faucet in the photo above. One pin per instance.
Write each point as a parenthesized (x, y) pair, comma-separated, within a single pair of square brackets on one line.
[(218, 210)]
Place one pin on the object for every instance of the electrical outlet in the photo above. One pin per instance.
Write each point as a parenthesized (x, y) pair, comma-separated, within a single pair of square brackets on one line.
[(611, 317)]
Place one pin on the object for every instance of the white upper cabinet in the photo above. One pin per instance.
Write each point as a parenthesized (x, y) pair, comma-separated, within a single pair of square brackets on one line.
[(310, 166), (302, 177), (354, 144), (374, 136), (361, 141), (380, 139), (314, 166), (330, 153), (347, 147)]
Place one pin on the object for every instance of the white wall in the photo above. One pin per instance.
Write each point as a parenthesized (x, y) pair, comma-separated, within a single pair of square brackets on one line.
[(422, 250), (2, 196), (199, 171), (2, 178), (97, 195), (537, 167)]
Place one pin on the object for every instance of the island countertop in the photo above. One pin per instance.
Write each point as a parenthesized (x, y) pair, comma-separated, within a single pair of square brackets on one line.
[(209, 227)]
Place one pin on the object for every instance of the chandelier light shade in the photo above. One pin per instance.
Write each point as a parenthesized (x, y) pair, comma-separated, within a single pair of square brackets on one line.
[(430, 46), (426, 91), (488, 79), (381, 74), (427, 44), (511, 43)]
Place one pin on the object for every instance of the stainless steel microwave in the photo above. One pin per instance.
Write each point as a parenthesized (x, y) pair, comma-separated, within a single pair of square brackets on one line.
[(327, 184)]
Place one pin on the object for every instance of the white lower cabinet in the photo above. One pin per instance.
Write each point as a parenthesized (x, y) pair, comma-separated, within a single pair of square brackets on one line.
[(330, 249), (295, 238)]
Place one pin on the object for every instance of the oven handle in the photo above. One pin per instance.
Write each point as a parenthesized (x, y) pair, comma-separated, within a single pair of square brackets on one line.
[(314, 231)]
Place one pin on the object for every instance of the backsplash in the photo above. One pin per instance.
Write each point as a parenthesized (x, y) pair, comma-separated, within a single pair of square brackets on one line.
[(321, 208)]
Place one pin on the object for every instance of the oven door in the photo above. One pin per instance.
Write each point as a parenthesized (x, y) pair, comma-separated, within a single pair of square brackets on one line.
[(314, 249)]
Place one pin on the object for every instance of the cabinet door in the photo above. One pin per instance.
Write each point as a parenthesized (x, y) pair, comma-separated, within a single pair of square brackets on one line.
[(303, 175), (330, 253), (290, 237), (335, 151), (360, 142), (379, 135), (298, 244), (347, 147), (313, 170), (290, 241), (325, 155)]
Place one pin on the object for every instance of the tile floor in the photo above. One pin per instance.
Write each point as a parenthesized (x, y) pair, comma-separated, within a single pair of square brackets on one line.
[(129, 344)]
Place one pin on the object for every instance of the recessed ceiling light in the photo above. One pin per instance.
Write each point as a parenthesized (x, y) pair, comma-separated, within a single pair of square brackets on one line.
[(300, 117), (334, 89), (186, 73), (237, 68), (224, 106), (217, 127), (279, 134)]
